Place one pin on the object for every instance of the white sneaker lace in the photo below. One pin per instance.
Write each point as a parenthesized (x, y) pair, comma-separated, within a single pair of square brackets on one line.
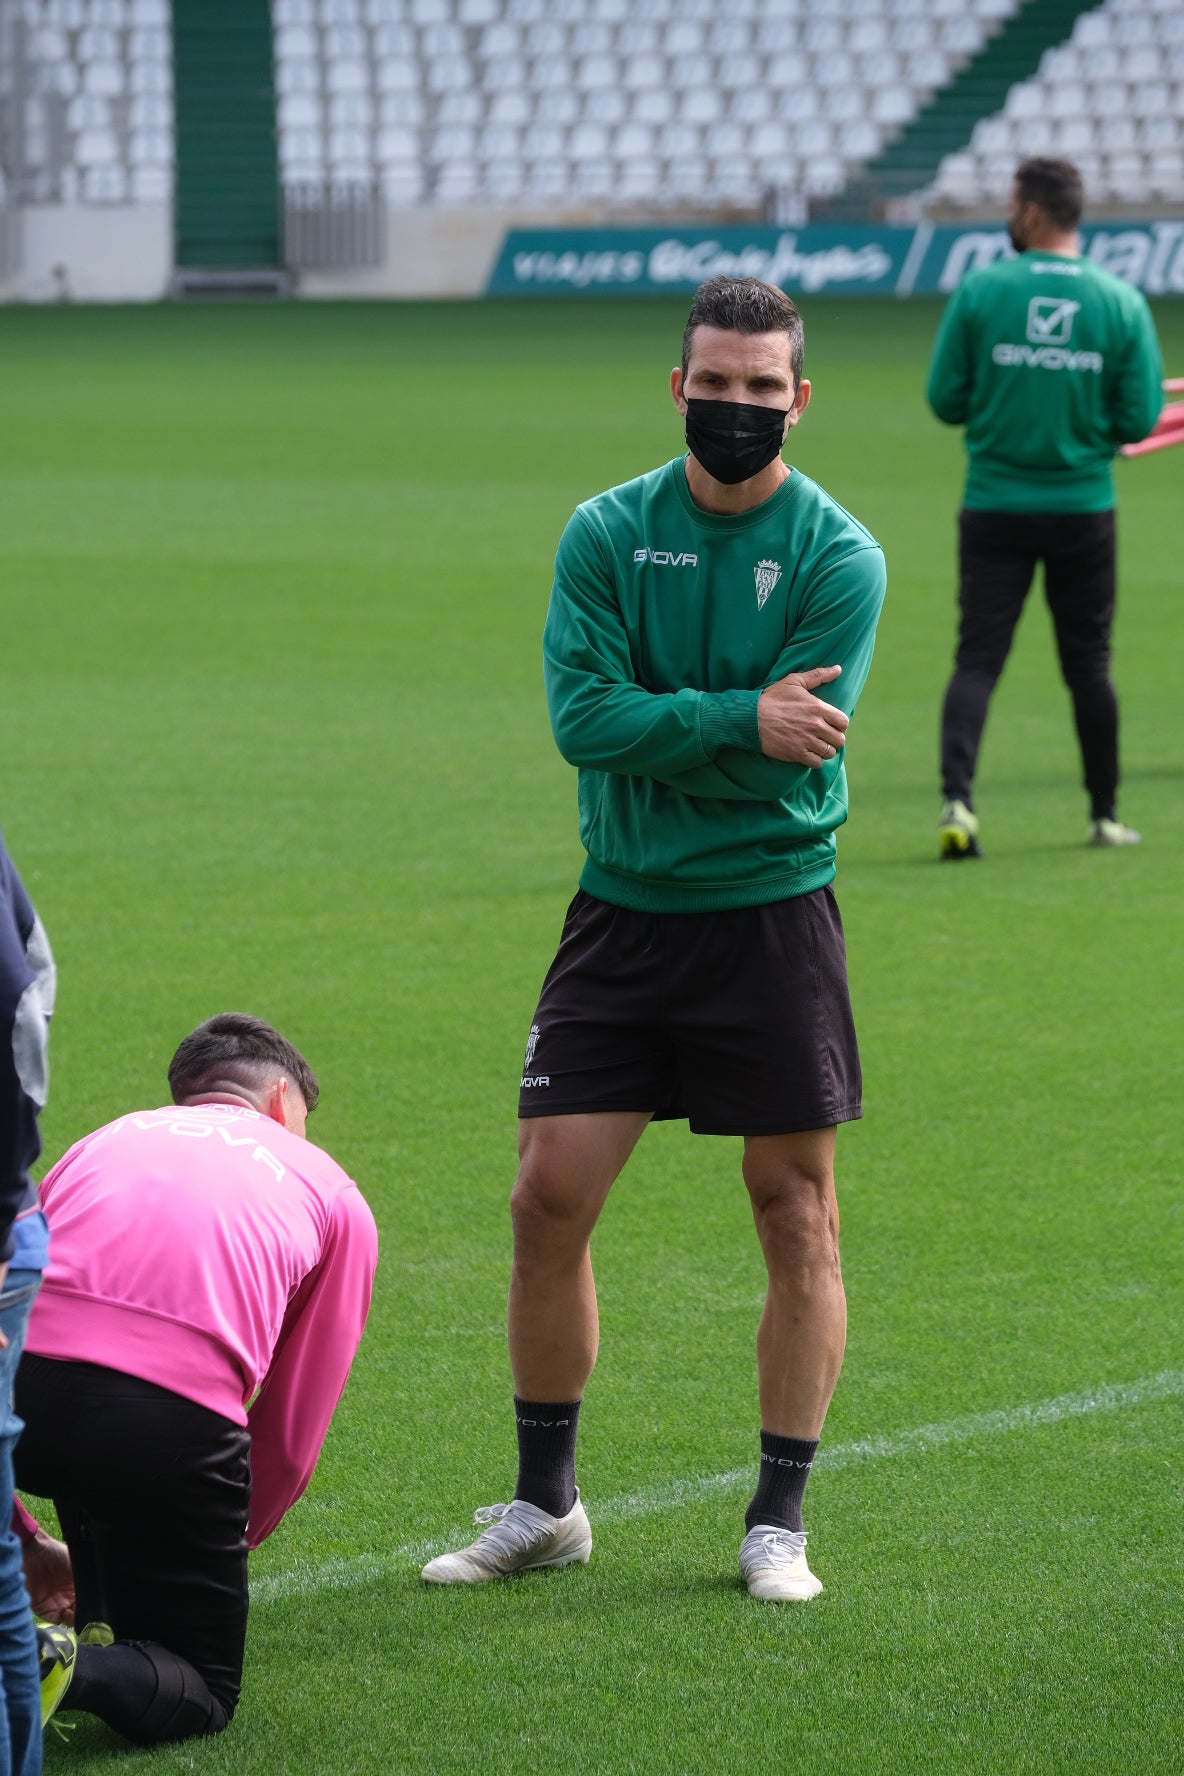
[(506, 1532), (784, 1546)]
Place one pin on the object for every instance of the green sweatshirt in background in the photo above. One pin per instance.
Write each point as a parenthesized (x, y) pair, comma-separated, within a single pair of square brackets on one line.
[(1050, 363), (665, 624)]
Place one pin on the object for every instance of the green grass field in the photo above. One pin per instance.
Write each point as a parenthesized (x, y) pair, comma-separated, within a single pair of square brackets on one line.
[(273, 737)]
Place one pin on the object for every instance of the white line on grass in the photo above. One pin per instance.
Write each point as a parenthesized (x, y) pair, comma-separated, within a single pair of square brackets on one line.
[(330, 1575)]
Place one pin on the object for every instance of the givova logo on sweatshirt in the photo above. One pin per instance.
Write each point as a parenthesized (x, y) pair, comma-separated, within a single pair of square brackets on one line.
[(1049, 333), (1050, 320), (666, 557)]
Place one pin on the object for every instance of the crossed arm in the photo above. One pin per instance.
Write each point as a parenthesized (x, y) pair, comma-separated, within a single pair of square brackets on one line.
[(747, 745)]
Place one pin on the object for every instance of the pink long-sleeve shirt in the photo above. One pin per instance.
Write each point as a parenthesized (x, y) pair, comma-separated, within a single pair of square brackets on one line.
[(210, 1251)]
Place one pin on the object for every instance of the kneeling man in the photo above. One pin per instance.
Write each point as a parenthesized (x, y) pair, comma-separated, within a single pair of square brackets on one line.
[(209, 1281)]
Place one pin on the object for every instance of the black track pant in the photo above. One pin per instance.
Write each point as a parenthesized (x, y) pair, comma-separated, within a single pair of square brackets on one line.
[(152, 1492), (998, 552)]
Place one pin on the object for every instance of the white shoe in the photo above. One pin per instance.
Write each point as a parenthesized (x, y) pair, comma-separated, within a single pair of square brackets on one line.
[(1111, 832), (773, 1564), (519, 1538)]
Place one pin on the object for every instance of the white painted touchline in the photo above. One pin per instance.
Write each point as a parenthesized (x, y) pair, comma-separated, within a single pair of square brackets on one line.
[(330, 1575)]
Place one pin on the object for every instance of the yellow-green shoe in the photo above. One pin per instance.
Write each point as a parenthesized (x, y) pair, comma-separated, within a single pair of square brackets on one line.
[(57, 1647), (96, 1634), (957, 831)]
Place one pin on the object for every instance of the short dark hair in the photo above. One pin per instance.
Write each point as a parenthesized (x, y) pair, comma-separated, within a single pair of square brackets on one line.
[(236, 1052), (1055, 186), (746, 305)]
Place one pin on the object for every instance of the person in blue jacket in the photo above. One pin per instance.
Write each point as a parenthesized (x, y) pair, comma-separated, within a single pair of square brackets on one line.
[(27, 981)]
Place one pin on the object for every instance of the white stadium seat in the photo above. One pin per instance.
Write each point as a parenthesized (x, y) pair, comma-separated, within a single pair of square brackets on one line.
[(149, 44), (104, 184), (97, 148), (104, 78), (151, 77), (343, 77), (1075, 136), (457, 143), (510, 107), (655, 105), (402, 186), (294, 111), (548, 182), (679, 141), (151, 184), (594, 72), (394, 40), (88, 112), (345, 43), (562, 105), (151, 148), (396, 74), (48, 44), (302, 146), (499, 141), (1117, 135), (302, 77), (401, 108), (395, 146)]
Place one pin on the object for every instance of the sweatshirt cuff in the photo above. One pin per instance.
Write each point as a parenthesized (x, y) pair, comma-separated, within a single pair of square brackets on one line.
[(728, 718), (24, 1523)]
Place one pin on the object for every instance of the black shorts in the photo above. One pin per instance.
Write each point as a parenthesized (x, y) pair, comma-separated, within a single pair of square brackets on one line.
[(738, 1020)]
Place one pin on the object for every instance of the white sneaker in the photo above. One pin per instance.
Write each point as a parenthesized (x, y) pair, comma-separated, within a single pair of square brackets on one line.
[(773, 1564), (1111, 832), (519, 1538)]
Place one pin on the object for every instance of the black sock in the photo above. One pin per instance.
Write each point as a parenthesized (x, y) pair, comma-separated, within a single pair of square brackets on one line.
[(116, 1681), (547, 1453), (785, 1468)]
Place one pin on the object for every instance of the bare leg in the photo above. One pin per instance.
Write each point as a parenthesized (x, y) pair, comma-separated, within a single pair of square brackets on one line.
[(568, 1165), (803, 1329)]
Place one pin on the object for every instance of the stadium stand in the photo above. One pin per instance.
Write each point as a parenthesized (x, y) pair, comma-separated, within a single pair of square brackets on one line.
[(644, 103), (94, 82), (639, 106), (1111, 98)]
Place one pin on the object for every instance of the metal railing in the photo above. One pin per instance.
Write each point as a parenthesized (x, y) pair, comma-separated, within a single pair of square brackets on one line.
[(329, 227)]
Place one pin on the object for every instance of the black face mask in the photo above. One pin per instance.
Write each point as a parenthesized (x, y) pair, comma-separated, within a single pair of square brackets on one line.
[(732, 440)]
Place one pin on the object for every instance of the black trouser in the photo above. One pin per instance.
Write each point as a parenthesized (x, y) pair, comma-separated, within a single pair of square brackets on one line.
[(998, 552), (152, 1492)]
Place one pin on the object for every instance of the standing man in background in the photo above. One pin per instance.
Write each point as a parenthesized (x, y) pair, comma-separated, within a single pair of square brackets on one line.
[(1050, 363), (711, 626), (27, 982)]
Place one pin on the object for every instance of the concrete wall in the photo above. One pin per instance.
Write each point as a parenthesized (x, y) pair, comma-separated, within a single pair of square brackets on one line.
[(91, 253), (430, 253), (117, 253)]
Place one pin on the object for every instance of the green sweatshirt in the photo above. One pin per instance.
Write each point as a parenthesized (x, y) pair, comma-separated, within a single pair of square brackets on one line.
[(665, 624), (1050, 363)]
